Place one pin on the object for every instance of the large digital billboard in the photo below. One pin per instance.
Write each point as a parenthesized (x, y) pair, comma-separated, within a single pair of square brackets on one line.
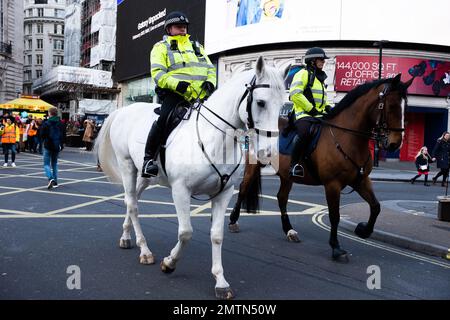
[(140, 24), (238, 23)]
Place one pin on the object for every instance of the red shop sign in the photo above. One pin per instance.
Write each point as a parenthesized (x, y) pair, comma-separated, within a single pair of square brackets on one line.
[(432, 76)]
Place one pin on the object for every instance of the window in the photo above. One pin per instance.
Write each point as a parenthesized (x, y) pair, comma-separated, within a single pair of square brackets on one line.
[(40, 28), (58, 60), (40, 12), (59, 13), (29, 29), (55, 29), (29, 12), (29, 59), (39, 59), (27, 75), (30, 44), (40, 1), (38, 74), (58, 44), (40, 44)]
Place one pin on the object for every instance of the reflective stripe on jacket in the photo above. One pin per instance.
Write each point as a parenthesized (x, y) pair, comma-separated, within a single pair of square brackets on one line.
[(301, 105), (169, 66), (9, 135)]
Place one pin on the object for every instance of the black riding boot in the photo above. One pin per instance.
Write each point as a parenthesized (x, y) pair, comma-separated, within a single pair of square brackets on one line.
[(150, 168), (297, 169)]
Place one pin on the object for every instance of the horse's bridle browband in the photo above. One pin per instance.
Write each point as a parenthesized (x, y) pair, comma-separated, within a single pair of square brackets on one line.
[(251, 126)]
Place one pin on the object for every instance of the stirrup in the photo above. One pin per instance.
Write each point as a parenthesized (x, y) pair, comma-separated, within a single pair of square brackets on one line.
[(149, 169), (297, 171)]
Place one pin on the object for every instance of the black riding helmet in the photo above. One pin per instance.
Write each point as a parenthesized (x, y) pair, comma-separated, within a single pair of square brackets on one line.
[(175, 17), (314, 53)]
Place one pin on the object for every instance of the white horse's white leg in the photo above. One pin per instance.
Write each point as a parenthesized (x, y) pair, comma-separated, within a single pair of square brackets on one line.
[(129, 177), (182, 201), (218, 208), (125, 239)]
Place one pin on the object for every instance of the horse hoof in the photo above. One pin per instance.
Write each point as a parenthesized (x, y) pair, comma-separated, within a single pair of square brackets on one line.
[(362, 230), (147, 259), (233, 228), (125, 244), (340, 255), (292, 236), (224, 293), (165, 268)]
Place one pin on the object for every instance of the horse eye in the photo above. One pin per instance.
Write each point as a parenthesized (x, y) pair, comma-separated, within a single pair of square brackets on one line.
[(261, 103)]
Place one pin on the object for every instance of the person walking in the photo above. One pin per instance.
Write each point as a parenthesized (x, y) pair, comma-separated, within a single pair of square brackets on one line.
[(9, 142), (441, 156), (89, 130), (182, 72), (53, 137), (423, 160)]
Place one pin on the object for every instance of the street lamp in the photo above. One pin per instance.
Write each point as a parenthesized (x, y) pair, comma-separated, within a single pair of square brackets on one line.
[(378, 44)]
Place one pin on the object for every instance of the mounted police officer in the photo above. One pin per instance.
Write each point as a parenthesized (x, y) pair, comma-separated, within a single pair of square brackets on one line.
[(309, 96), (182, 72)]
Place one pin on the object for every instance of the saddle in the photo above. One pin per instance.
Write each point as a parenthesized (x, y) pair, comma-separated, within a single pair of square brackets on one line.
[(179, 113)]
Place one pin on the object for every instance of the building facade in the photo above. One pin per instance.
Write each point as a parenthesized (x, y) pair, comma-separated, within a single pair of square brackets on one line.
[(11, 49), (43, 39)]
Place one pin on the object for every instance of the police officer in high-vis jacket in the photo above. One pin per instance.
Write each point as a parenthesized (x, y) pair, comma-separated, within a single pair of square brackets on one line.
[(308, 93), (182, 72)]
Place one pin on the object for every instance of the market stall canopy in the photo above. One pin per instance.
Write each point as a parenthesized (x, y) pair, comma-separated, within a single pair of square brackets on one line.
[(30, 103)]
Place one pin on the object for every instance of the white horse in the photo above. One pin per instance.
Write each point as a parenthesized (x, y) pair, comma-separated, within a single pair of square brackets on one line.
[(120, 150)]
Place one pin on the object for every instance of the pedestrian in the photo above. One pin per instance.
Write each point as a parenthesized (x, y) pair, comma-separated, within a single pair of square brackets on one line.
[(53, 138), (423, 160), (89, 130), (9, 141), (441, 156), (182, 72), (309, 97)]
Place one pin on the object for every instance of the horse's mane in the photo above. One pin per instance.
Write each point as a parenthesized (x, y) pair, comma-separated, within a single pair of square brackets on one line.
[(361, 90)]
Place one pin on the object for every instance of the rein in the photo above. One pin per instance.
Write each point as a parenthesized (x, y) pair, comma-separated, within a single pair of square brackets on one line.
[(379, 132), (224, 178)]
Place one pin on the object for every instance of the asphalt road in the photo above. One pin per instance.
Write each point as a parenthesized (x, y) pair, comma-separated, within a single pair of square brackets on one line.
[(43, 233)]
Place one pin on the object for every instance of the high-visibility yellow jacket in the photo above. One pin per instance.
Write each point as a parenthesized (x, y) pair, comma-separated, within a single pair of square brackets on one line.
[(9, 135), (173, 60), (302, 106)]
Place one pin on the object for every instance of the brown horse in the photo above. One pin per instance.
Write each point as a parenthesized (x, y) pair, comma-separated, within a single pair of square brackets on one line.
[(342, 156)]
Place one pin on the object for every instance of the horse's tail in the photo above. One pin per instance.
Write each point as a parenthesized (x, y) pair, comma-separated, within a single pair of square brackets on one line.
[(251, 198), (104, 151)]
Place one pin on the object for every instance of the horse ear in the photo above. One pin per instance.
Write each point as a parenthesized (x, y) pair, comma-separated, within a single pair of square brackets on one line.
[(409, 82), (396, 79), (260, 67)]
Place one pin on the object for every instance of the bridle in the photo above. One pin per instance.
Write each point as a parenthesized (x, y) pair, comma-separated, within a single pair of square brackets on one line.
[(250, 87), (380, 131)]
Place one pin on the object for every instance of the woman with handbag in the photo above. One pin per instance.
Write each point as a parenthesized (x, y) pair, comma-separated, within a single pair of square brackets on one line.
[(423, 160)]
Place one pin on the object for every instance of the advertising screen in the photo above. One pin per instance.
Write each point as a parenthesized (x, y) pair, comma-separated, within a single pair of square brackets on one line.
[(238, 23), (140, 24)]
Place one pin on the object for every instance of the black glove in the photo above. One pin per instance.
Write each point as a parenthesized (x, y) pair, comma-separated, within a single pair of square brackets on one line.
[(182, 86), (313, 112), (327, 108), (208, 87)]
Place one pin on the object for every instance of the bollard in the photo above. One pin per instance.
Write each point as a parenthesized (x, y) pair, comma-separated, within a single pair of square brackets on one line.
[(444, 208)]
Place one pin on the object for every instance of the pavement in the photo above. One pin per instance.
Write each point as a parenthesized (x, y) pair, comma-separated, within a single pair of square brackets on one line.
[(412, 225)]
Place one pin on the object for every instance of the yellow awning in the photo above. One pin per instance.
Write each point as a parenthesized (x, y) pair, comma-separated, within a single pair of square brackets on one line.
[(30, 104)]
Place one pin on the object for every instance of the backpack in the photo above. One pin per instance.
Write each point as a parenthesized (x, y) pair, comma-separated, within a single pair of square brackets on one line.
[(54, 137)]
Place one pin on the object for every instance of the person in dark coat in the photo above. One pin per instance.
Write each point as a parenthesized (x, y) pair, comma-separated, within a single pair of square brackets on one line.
[(441, 156), (423, 160)]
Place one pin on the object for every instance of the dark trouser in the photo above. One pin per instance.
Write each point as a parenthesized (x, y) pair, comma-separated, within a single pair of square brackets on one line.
[(443, 173), (171, 100), (303, 126), (418, 175), (6, 148)]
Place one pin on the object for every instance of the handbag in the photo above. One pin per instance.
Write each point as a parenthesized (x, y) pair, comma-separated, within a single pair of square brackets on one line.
[(423, 167)]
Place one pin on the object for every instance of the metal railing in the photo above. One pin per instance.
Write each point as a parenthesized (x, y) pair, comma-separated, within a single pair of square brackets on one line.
[(5, 48)]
